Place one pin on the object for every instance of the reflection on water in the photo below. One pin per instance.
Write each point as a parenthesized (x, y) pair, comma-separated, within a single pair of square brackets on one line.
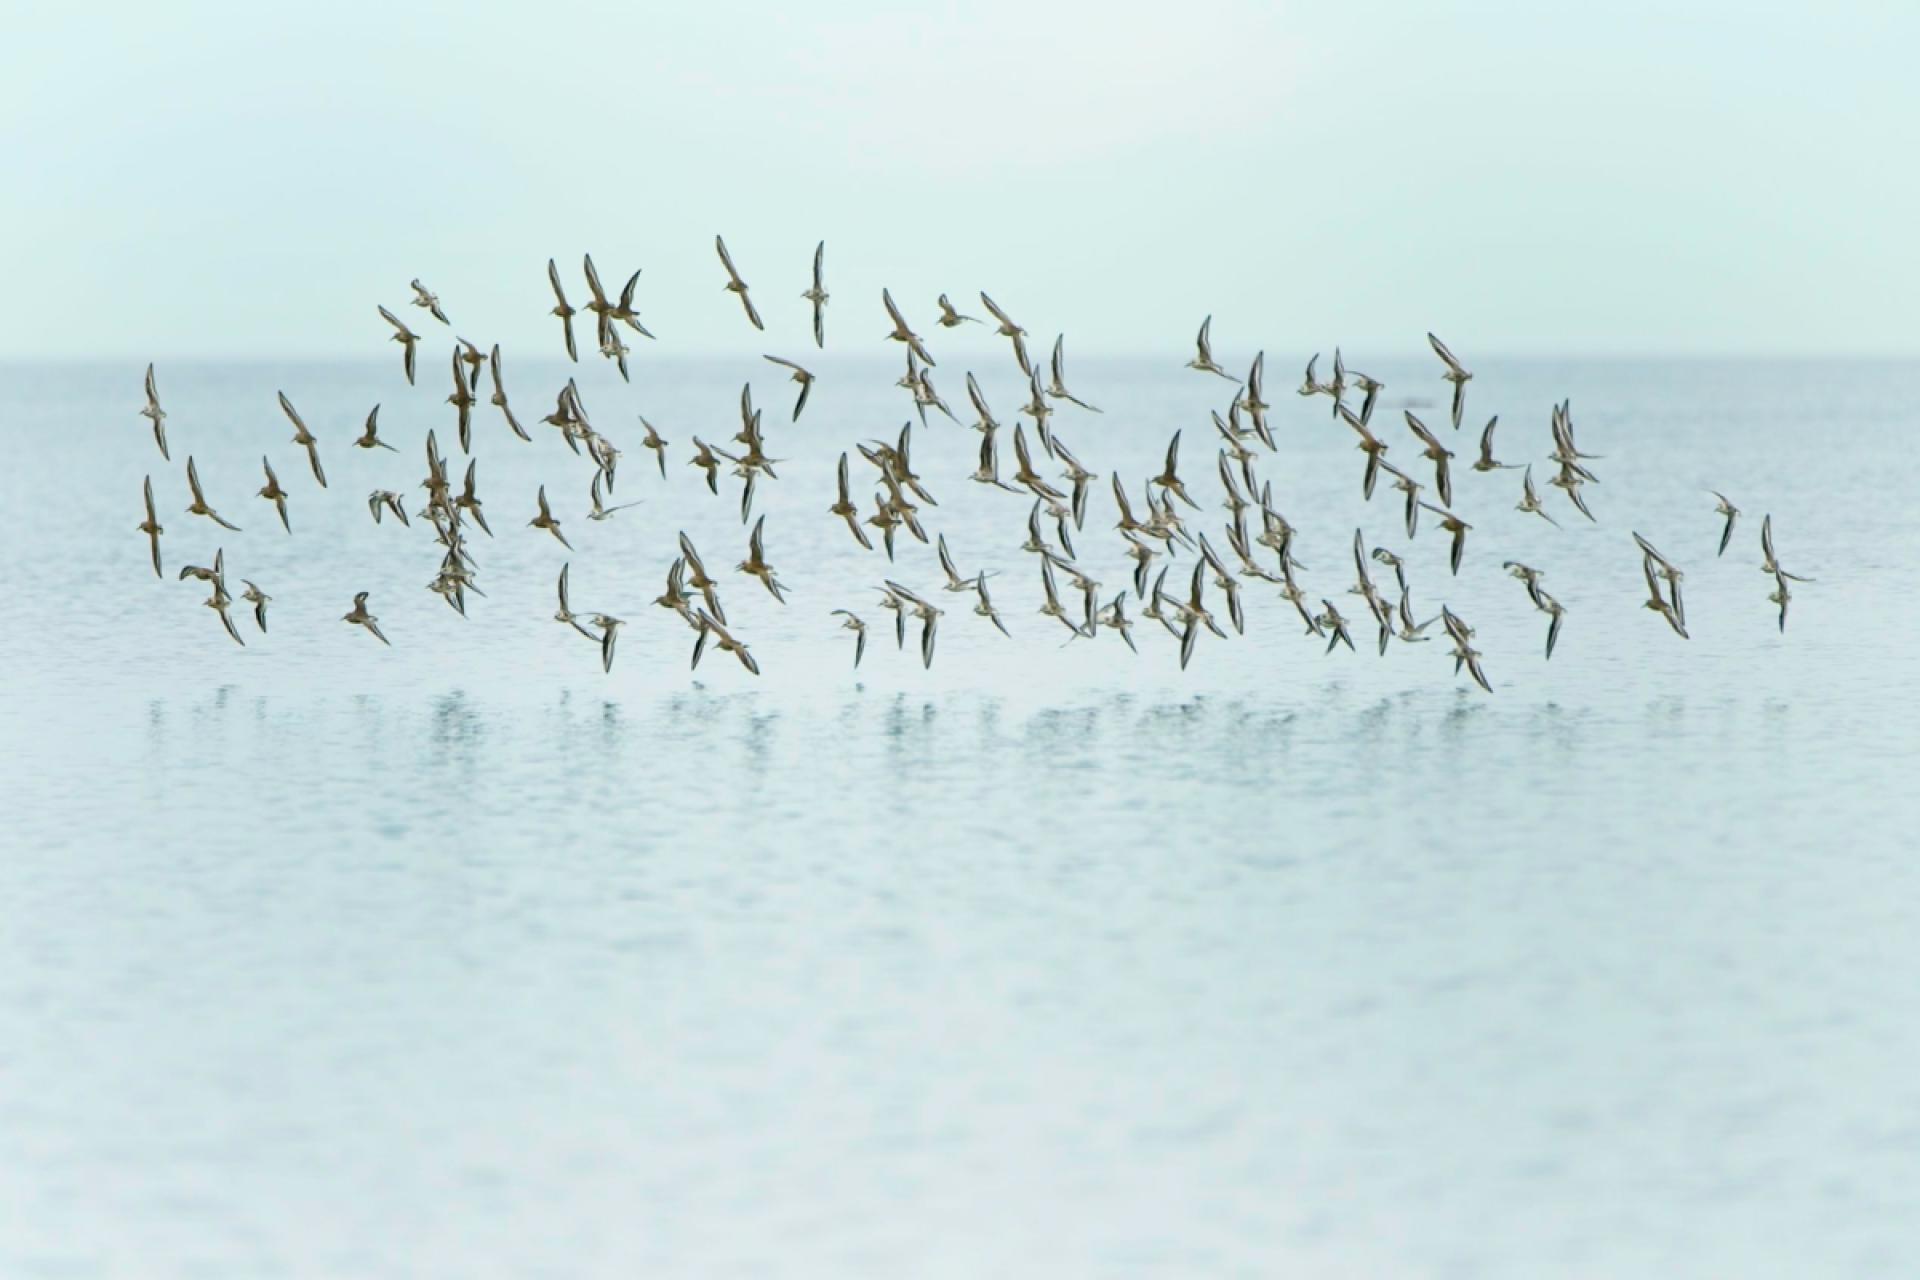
[(462, 958)]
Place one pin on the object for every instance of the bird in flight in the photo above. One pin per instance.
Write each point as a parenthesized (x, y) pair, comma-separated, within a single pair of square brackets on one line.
[(424, 297), (361, 618), (156, 414), (152, 528), (735, 284), (818, 296), (408, 340)]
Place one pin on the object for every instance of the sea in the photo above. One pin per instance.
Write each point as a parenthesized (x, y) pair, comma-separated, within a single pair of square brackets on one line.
[(465, 957)]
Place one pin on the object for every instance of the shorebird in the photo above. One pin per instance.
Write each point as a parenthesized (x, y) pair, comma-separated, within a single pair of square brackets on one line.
[(360, 617), (1251, 400), (469, 501), (1464, 654), (1195, 611), (217, 575), (1569, 478), (676, 596), (545, 520), (370, 436), (656, 442), (1375, 449), (624, 311), (735, 284), (259, 600), (847, 510), (423, 297), (1203, 358), (1007, 328), (1057, 386), (851, 622), (601, 511), (152, 528), (1486, 461), (407, 338), (1310, 384), (383, 500), (1020, 356), (609, 629), (929, 619), (723, 640), (1169, 478), (1555, 611), (562, 309), (1731, 512), (801, 376), (1457, 527), (818, 297), (955, 582), (471, 357), (1224, 579), (273, 494), (1781, 595), (1114, 617), (1333, 624), (756, 566), (156, 414), (1670, 573), (1530, 499), (902, 332), (1052, 607), (499, 397), (462, 400), (304, 437), (1439, 453), (565, 614), (1370, 389), (1038, 409), (220, 601), (1772, 563), (949, 318), (1658, 603), (984, 606), (988, 472), (199, 505), (1529, 575), (707, 458), (1411, 632), (1456, 374)]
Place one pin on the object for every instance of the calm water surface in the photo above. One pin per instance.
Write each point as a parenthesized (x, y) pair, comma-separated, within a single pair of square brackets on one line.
[(463, 958)]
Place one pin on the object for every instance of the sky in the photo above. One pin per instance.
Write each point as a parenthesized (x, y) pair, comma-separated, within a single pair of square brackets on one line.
[(208, 180)]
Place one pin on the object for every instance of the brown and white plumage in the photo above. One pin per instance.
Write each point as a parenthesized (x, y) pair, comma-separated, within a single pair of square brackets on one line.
[(151, 527), (1203, 359), (304, 437), (817, 295), (407, 338), (158, 416), (199, 507), (735, 284), (801, 376), (562, 309), (902, 332), (360, 617), (1456, 374), (545, 520), (424, 297)]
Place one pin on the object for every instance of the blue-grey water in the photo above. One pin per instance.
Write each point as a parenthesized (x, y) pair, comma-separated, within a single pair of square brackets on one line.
[(320, 958)]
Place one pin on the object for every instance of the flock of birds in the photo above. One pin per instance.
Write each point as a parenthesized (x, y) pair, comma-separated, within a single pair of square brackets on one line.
[(1257, 536)]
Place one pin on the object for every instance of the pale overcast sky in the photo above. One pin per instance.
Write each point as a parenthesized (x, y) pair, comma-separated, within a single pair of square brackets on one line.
[(204, 179)]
